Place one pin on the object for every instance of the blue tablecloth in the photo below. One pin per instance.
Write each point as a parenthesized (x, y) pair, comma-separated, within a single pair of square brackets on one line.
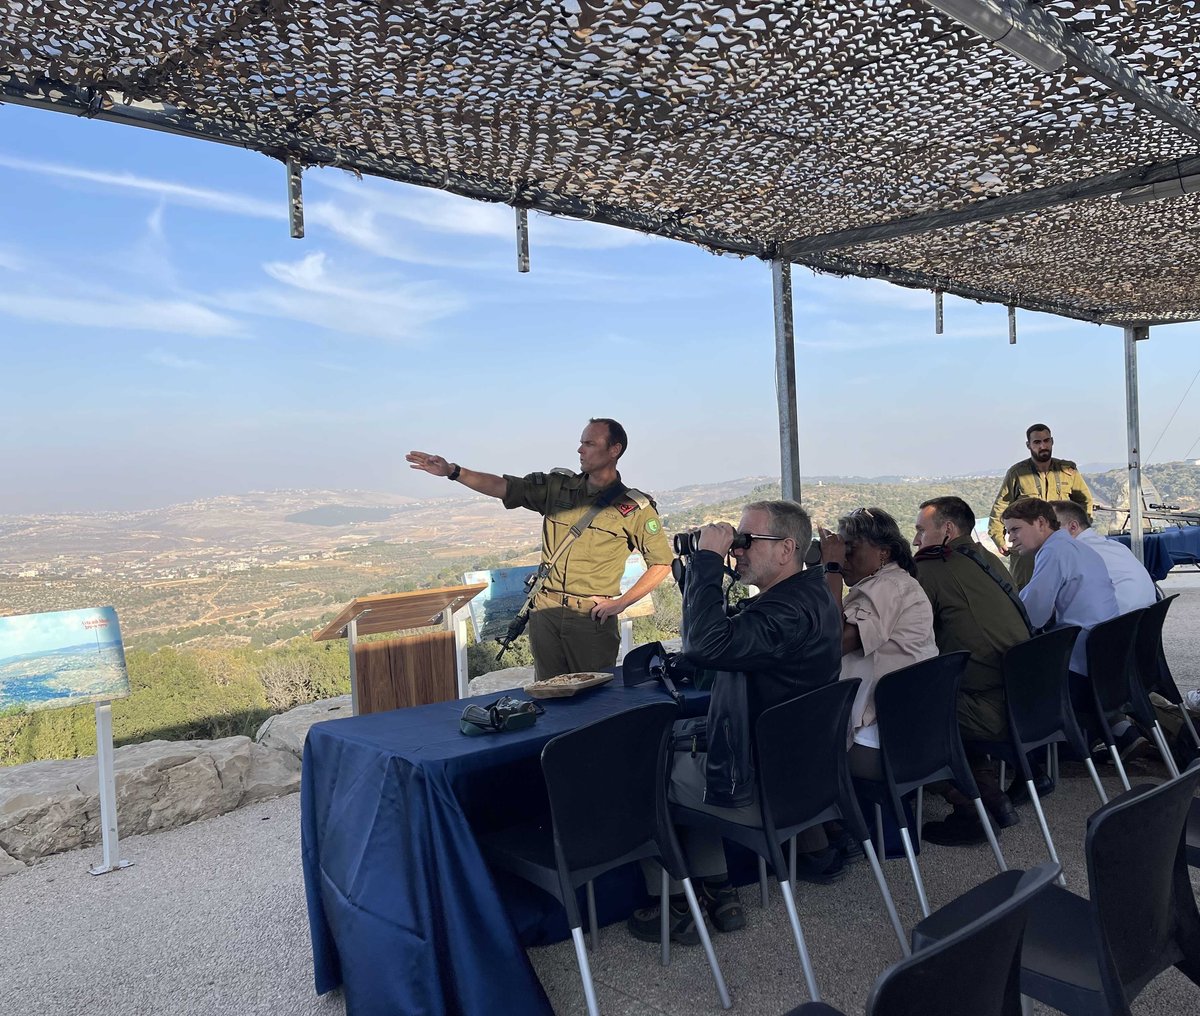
[(401, 906), (1167, 548)]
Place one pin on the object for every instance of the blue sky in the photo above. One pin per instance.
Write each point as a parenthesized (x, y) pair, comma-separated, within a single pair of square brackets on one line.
[(165, 339)]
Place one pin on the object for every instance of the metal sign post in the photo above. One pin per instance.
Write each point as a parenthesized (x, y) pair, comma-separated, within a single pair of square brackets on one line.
[(108, 793)]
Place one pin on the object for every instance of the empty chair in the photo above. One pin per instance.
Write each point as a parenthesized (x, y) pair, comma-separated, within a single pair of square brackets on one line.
[(918, 735), (803, 779), (1037, 689), (1093, 956), (1110, 667), (603, 816), (975, 970), (1151, 661)]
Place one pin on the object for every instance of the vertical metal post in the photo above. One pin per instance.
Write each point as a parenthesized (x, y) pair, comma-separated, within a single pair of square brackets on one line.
[(522, 240), (108, 793), (1133, 335), (785, 380), (351, 642), (937, 312), (1012, 325), (295, 200), (456, 621)]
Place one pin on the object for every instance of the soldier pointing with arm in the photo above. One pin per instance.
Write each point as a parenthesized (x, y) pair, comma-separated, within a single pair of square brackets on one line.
[(1042, 476), (573, 626)]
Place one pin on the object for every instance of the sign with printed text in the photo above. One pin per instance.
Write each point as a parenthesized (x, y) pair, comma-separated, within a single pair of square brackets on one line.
[(61, 658)]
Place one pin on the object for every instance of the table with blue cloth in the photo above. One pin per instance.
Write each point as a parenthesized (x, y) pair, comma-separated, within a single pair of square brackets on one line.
[(1166, 548), (402, 909)]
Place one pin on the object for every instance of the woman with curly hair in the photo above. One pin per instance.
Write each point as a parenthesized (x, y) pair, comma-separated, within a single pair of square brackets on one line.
[(887, 620)]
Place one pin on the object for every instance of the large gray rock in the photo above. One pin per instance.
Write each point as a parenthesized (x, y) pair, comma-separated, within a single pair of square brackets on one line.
[(48, 807), (287, 731)]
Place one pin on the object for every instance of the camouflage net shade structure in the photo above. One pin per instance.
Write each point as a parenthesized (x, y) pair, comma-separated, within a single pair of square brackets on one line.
[(879, 138)]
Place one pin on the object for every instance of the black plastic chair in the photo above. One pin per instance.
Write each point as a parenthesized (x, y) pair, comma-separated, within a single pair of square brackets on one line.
[(918, 734), (1152, 669), (1093, 956), (1110, 673), (973, 971), (1038, 693), (803, 779), (604, 816)]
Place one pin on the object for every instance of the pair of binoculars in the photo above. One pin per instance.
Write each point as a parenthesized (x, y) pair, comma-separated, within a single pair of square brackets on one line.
[(506, 713)]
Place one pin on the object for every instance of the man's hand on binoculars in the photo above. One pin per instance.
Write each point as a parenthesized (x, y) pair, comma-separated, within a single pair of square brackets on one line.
[(716, 536)]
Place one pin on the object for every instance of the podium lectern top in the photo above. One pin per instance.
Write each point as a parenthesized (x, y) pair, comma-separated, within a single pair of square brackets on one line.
[(398, 611)]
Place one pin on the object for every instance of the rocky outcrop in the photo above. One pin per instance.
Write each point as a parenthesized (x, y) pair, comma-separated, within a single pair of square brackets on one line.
[(500, 680), (287, 731), (48, 807)]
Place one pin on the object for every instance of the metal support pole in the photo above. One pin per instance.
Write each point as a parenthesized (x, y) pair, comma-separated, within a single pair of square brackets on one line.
[(351, 642), (295, 200), (785, 380), (522, 240), (456, 621), (108, 793), (1012, 325), (1133, 335), (937, 312)]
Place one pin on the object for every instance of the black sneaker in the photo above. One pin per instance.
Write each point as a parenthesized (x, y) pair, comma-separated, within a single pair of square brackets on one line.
[(821, 867), (645, 925), (722, 905), (958, 829), (848, 848)]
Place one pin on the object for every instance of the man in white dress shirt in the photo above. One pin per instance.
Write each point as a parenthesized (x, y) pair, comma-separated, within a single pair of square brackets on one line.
[(1131, 583)]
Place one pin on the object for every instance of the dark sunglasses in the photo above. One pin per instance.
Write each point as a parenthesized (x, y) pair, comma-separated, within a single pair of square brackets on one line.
[(743, 540), (506, 713)]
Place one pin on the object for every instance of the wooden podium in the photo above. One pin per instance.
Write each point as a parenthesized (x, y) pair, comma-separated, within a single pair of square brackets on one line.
[(412, 670)]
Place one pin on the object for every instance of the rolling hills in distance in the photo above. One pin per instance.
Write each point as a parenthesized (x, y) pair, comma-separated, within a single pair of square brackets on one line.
[(263, 567)]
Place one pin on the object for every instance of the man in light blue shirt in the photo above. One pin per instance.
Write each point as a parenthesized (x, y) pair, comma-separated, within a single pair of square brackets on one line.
[(1070, 584), (1131, 583)]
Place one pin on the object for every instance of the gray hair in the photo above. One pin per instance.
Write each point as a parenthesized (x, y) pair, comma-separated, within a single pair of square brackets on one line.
[(788, 519)]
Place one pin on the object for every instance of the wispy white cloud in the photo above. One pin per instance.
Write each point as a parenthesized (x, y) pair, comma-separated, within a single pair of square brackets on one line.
[(179, 317), (10, 260), (197, 197), (166, 359), (383, 306)]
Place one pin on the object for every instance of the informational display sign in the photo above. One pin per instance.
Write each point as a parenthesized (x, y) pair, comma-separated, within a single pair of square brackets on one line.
[(496, 606), (62, 658)]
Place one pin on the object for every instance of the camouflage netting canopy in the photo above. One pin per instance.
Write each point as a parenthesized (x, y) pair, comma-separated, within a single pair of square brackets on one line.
[(879, 138)]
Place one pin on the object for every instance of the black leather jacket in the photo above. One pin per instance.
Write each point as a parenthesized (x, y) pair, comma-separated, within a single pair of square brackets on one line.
[(771, 648)]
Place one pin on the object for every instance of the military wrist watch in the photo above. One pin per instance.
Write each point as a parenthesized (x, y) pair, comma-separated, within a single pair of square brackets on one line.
[(833, 568), (453, 474)]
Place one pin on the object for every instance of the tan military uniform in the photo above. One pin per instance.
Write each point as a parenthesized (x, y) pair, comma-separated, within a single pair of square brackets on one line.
[(562, 634), (1061, 482)]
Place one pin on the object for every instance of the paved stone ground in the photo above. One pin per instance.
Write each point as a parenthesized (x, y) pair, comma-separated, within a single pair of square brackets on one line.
[(211, 918)]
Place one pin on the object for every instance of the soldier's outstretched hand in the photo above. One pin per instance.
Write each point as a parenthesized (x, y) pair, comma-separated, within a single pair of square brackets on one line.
[(434, 464)]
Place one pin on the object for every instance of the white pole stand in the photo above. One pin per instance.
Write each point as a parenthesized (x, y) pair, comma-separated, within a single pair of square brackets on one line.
[(108, 793)]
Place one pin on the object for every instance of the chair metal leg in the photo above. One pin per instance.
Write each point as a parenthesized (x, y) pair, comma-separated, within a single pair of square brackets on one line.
[(1161, 740), (888, 902), (593, 935), (706, 941), (789, 901), (1120, 765), (1041, 817), (585, 972), (880, 846), (1091, 768), (1052, 761), (762, 882), (916, 872), (1003, 773), (792, 859), (1026, 1006), (920, 811), (664, 920), (1187, 719), (990, 833)]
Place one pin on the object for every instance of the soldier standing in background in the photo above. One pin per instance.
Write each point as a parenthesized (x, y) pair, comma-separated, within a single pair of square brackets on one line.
[(1042, 476), (573, 626)]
